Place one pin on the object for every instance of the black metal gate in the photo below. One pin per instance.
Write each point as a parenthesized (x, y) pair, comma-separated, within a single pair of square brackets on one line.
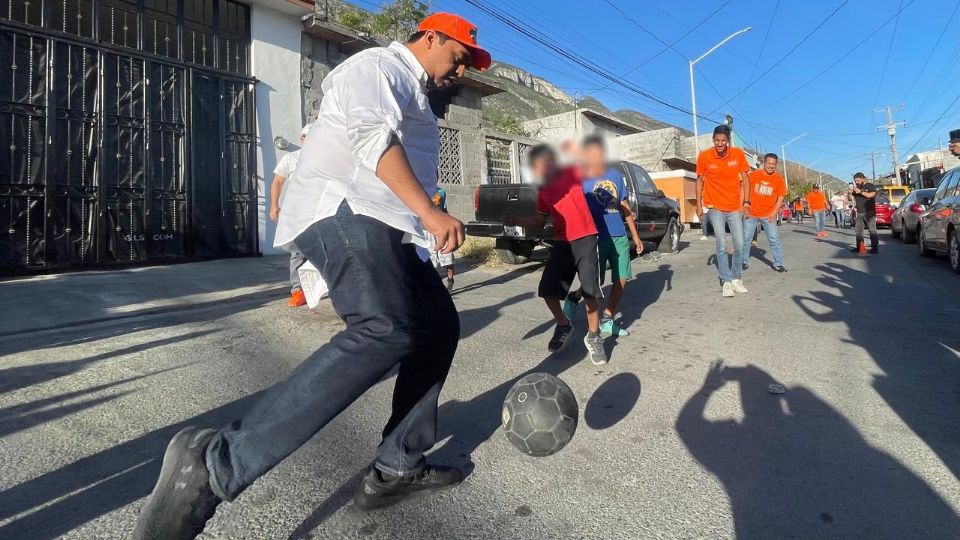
[(127, 132)]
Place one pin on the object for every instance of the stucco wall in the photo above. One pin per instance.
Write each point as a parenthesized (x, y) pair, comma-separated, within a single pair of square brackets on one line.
[(276, 64)]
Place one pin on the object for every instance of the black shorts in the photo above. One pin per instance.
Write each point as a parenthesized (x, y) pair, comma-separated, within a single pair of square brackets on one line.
[(568, 259)]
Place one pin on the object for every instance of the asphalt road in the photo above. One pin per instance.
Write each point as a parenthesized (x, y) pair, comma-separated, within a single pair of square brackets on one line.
[(678, 436)]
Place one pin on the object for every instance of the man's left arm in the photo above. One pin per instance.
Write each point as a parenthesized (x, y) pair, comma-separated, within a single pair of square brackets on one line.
[(745, 189)]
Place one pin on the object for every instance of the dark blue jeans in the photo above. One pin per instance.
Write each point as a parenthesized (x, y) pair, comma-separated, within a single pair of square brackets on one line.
[(397, 313)]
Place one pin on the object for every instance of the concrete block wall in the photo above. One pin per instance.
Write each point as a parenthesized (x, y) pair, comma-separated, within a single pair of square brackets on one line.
[(650, 148), (318, 58), (460, 201)]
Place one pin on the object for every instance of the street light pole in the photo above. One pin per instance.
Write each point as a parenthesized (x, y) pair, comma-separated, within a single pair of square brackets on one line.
[(693, 96), (783, 152)]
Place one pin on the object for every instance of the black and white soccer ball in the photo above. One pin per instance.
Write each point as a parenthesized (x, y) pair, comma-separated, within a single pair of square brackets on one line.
[(540, 414)]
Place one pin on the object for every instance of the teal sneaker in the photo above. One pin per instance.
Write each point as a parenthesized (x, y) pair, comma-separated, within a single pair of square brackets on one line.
[(570, 307), (610, 328)]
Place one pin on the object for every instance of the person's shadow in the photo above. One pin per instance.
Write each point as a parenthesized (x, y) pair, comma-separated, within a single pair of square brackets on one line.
[(796, 468)]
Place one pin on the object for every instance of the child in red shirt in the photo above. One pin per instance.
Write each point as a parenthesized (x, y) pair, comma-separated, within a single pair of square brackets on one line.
[(573, 254)]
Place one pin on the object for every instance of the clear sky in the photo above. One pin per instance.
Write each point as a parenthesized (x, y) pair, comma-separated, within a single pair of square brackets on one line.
[(774, 94)]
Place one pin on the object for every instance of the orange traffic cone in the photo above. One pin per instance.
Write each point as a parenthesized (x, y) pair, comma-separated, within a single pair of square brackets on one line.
[(863, 249)]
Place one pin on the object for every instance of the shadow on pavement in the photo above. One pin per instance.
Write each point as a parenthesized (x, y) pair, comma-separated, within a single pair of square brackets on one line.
[(612, 402), (119, 325), (15, 378), (919, 356), (476, 319), (642, 292), (70, 496), (33, 413), (796, 468)]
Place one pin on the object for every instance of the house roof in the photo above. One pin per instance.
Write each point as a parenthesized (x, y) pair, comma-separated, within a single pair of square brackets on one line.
[(293, 7), (587, 111)]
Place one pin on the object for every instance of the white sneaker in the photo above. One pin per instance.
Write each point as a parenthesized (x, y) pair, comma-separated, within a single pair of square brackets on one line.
[(728, 290), (704, 237), (738, 286)]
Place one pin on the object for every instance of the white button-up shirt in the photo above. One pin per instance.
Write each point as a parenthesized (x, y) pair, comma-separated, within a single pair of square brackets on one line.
[(371, 97)]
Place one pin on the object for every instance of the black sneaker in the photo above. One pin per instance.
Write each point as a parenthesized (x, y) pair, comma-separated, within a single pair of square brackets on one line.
[(560, 337), (375, 491), (449, 284), (780, 269), (182, 501), (746, 266), (595, 350)]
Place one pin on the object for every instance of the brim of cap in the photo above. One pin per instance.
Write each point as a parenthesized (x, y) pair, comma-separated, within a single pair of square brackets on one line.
[(480, 59)]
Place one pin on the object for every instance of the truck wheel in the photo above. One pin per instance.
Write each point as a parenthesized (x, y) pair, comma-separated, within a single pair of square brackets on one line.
[(670, 243), (514, 251)]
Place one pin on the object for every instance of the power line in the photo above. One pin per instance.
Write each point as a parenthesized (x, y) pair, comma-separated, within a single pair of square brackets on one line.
[(678, 40), (531, 33), (930, 55), (765, 37), (935, 123), (886, 61), (785, 56), (837, 61)]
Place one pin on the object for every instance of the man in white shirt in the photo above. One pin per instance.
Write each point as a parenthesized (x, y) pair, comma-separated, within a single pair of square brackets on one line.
[(281, 173), (839, 204), (359, 208)]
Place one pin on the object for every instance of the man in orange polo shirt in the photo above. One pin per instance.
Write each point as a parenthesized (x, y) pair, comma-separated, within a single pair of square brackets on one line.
[(767, 190), (722, 187), (818, 207)]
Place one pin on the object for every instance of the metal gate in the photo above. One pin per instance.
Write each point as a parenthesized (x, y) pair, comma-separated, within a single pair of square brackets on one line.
[(127, 132)]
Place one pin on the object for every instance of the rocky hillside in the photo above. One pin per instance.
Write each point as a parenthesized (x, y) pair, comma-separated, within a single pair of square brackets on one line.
[(527, 96)]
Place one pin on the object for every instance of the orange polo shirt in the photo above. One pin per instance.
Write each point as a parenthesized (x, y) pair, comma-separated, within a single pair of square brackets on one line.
[(817, 201), (765, 189), (721, 178), (798, 205)]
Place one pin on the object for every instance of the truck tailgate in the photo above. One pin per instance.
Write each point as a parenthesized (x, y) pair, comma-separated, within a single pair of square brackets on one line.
[(498, 201)]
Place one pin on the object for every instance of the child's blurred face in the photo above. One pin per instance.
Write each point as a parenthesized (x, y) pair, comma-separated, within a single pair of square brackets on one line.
[(544, 167), (594, 156)]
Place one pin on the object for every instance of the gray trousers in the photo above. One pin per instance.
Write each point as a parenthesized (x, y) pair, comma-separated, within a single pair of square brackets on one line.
[(296, 261), (870, 222)]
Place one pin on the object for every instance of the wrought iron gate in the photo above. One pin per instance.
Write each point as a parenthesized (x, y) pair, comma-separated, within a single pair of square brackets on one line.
[(127, 132)]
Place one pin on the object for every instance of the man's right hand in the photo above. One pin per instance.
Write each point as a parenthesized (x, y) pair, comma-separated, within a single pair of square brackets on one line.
[(447, 229)]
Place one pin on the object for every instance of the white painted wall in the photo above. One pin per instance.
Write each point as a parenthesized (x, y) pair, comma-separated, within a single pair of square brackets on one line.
[(276, 64)]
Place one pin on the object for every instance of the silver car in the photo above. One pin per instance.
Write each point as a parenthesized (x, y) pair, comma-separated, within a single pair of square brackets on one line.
[(906, 218)]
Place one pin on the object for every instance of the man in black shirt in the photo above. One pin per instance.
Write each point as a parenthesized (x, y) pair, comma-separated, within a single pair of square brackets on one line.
[(864, 196), (955, 142)]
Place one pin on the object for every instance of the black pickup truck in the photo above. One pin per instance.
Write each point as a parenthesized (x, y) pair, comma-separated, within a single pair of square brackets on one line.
[(657, 216)]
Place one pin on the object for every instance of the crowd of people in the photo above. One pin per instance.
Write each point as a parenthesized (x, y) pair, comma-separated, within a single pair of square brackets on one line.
[(733, 198)]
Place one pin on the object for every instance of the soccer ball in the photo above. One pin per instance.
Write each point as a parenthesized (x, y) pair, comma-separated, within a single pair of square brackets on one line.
[(540, 414)]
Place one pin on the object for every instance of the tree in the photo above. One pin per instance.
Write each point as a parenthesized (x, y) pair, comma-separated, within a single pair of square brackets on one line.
[(399, 19), (356, 19), (509, 124), (396, 20)]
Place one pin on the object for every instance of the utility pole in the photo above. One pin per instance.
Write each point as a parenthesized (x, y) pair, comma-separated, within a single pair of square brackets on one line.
[(873, 166), (891, 128)]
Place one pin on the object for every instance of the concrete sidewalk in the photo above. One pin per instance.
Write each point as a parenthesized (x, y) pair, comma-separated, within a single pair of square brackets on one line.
[(61, 300)]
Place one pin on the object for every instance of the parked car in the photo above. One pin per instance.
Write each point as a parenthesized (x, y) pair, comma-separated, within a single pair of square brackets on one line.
[(906, 217), (884, 210), (785, 214), (939, 230), (500, 206), (895, 194)]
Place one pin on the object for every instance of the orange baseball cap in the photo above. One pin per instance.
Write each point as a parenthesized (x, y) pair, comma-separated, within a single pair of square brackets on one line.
[(461, 30)]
